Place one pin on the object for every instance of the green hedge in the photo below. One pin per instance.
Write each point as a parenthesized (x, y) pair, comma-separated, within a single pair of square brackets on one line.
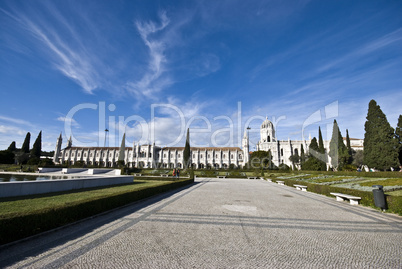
[(394, 202), (19, 227)]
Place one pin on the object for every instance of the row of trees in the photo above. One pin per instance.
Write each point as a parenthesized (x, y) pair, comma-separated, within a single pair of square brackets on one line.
[(24, 154), (382, 147)]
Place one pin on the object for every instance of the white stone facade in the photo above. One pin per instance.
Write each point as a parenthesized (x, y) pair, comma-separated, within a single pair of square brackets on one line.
[(151, 156), (282, 150)]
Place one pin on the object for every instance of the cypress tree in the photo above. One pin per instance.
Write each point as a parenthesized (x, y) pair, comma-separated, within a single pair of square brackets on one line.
[(186, 153), (321, 150), (313, 145), (12, 147), (37, 146), (25, 145), (398, 136), (379, 140), (349, 147), (312, 163), (302, 156), (337, 149)]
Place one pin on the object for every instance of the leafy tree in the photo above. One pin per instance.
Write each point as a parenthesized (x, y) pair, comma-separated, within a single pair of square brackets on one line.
[(46, 162), (186, 153), (22, 158), (6, 157), (261, 159), (398, 135), (380, 145), (37, 146), (337, 149), (25, 145), (12, 147), (313, 163), (33, 161), (358, 158), (295, 159)]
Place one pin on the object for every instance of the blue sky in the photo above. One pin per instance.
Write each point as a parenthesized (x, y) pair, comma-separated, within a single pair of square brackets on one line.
[(152, 69)]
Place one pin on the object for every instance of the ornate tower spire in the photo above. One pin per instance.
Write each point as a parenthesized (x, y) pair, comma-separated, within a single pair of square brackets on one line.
[(70, 142)]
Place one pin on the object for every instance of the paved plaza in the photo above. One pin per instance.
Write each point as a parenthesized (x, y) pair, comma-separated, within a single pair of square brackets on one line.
[(221, 223)]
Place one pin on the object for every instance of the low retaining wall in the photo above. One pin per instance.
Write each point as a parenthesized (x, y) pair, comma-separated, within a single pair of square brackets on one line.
[(11, 189)]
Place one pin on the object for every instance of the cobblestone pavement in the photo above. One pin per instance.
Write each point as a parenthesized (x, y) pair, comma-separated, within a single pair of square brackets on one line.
[(221, 223)]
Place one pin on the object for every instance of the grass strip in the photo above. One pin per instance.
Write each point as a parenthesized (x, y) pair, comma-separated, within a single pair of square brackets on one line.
[(27, 216)]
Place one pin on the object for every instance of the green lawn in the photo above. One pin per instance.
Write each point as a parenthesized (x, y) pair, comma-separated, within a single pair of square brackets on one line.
[(21, 206)]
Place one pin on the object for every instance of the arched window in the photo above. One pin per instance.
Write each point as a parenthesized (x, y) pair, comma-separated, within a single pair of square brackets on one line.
[(269, 139), (239, 156), (296, 152), (224, 156), (231, 156), (281, 152)]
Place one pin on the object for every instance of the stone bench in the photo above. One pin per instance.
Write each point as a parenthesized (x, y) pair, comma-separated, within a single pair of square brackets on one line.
[(251, 177), (269, 180), (137, 174), (354, 200), (280, 182), (221, 176), (300, 187), (164, 175)]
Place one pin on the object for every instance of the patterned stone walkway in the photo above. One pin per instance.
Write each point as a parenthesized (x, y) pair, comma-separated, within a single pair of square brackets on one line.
[(221, 223)]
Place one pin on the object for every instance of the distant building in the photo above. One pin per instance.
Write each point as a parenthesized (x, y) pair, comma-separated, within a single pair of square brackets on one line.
[(152, 156)]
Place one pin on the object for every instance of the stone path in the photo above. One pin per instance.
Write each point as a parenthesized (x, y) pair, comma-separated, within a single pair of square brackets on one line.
[(222, 223)]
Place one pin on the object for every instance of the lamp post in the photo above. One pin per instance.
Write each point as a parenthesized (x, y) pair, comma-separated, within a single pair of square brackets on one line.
[(106, 131)]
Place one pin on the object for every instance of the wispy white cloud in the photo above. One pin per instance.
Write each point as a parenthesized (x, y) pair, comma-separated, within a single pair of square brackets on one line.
[(70, 121), (370, 47), (16, 121), (66, 52), (11, 130), (152, 81)]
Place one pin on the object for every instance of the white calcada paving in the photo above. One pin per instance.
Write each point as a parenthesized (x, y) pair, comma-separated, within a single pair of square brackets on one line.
[(222, 223)]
